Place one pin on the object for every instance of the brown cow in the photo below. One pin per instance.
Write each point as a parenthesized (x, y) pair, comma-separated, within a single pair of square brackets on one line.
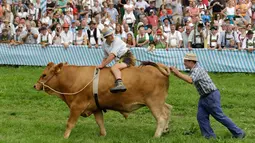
[(146, 86)]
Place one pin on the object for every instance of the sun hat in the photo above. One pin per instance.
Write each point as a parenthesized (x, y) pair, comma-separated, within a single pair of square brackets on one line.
[(190, 57), (107, 31)]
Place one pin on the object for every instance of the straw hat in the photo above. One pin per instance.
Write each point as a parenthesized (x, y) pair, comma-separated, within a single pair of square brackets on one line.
[(190, 57), (107, 31)]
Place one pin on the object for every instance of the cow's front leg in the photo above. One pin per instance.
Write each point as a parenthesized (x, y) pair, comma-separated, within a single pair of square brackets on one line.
[(74, 115), (100, 122)]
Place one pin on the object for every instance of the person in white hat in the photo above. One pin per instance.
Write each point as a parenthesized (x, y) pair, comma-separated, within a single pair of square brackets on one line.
[(209, 102), (115, 48)]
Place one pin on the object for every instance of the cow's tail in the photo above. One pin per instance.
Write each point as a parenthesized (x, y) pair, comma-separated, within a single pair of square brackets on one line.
[(161, 67)]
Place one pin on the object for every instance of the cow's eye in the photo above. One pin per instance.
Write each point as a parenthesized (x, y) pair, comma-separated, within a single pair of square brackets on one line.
[(44, 75)]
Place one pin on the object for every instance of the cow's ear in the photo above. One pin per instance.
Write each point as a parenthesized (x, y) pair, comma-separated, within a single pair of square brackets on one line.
[(58, 67), (50, 64)]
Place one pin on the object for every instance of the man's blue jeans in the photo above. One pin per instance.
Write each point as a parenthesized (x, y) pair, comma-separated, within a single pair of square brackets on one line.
[(210, 105)]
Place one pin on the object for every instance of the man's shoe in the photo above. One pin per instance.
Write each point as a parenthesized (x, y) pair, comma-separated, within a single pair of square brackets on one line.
[(119, 87), (240, 136)]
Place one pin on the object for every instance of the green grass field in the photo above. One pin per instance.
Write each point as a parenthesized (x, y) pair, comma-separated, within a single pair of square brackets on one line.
[(29, 116)]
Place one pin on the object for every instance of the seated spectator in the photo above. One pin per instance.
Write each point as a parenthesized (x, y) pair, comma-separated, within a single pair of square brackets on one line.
[(44, 38), (118, 31), (161, 9), (193, 11), (142, 39), (177, 13), (165, 16), (160, 40), (22, 13), (151, 7), (125, 31), (30, 35), (249, 42), (202, 7), (130, 40), (147, 26), (206, 17), (66, 36), (174, 38), (80, 37), (5, 37), (213, 38), (16, 39)]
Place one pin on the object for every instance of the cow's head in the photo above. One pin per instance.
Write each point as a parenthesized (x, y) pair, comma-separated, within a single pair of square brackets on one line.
[(48, 76)]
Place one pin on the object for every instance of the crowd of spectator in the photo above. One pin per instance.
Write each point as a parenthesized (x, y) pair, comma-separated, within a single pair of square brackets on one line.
[(152, 24)]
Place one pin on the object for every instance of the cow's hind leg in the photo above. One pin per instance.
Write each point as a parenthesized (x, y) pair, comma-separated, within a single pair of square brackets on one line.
[(100, 122), (74, 115), (161, 118), (167, 109)]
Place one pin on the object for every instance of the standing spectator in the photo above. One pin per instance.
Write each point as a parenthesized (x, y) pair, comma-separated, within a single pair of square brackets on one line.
[(7, 25), (194, 12), (66, 36), (226, 36), (96, 8), (5, 37), (56, 35), (80, 37), (93, 34), (209, 102), (185, 36), (166, 26), (113, 12), (30, 35), (174, 38), (196, 37), (213, 38), (45, 38), (249, 42), (230, 11), (202, 7), (142, 39), (216, 6), (152, 19), (16, 39)]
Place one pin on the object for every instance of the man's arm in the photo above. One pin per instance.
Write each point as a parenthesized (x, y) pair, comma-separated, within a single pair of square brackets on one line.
[(107, 60), (180, 75)]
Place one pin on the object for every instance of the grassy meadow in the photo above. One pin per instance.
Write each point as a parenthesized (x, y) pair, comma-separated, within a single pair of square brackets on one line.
[(29, 116)]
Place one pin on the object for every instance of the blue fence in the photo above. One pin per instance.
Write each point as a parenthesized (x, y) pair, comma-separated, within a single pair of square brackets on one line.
[(211, 60)]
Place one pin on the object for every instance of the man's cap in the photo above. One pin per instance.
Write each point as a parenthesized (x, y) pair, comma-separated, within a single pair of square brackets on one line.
[(107, 31), (190, 57), (250, 32), (214, 28), (65, 25)]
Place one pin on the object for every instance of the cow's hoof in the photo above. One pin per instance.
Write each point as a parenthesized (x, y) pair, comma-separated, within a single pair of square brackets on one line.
[(166, 131)]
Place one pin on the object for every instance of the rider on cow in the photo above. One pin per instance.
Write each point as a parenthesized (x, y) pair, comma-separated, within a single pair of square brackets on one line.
[(115, 48)]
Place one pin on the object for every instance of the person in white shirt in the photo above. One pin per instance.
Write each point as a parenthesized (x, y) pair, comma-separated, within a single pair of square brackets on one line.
[(129, 18), (116, 49), (249, 42), (213, 38), (80, 37), (66, 36), (45, 37), (174, 38)]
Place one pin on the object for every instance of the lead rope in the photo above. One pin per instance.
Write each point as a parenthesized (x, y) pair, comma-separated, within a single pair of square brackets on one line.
[(44, 85)]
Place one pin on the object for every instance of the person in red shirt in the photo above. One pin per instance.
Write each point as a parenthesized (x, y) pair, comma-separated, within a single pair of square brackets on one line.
[(152, 19)]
